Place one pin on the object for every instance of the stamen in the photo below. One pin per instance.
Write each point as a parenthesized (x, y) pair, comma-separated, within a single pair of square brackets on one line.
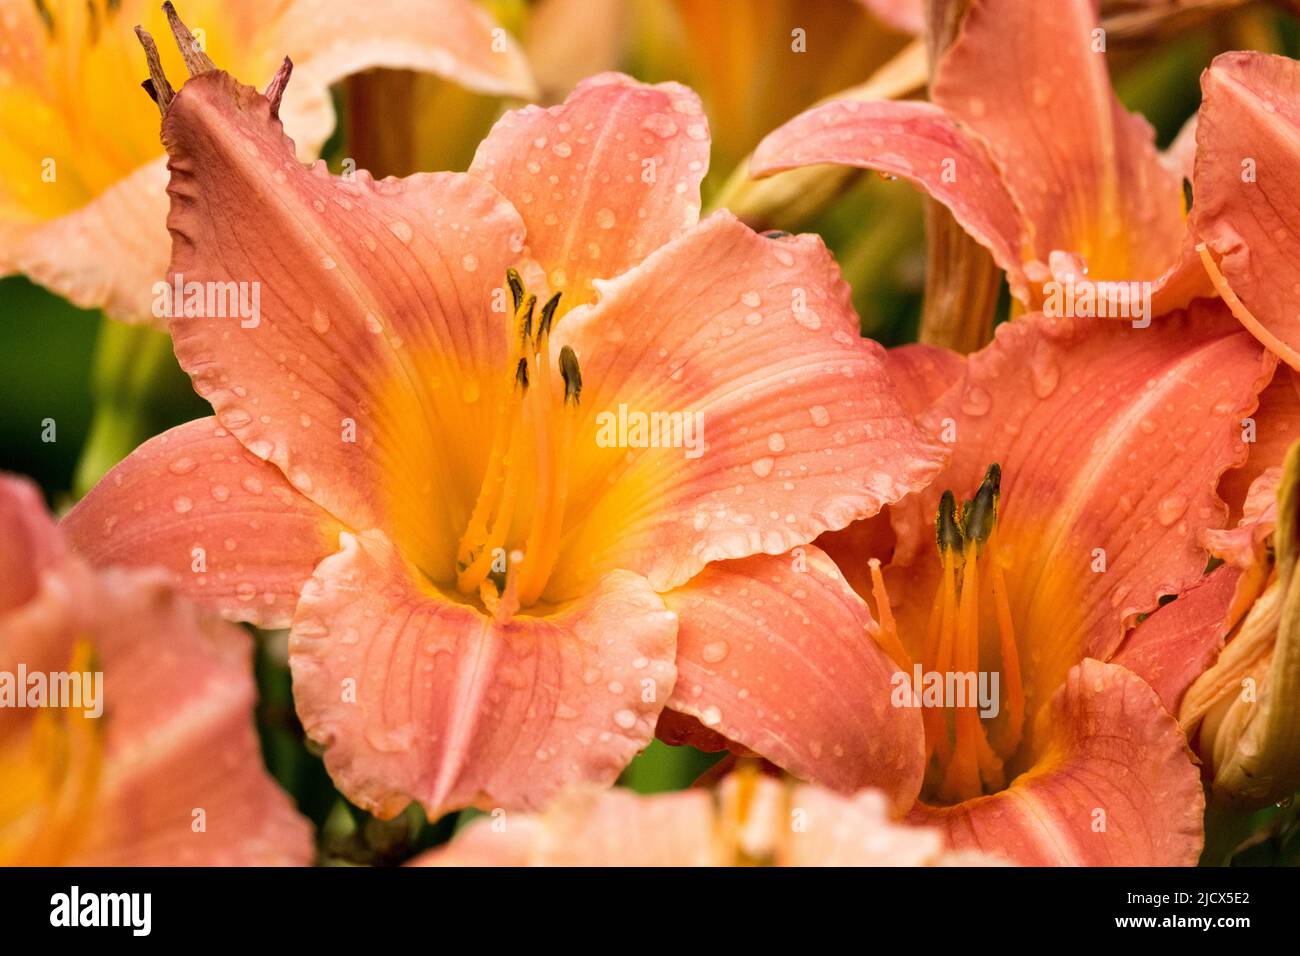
[(887, 631), (961, 781), (1015, 693), (571, 374), (548, 316), (543, 543), (516, 288), (968, 766)]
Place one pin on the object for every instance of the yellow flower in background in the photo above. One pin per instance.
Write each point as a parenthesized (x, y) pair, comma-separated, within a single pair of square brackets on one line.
[(82, 172)]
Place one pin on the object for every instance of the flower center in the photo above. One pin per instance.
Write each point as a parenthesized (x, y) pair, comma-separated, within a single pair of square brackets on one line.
[(970, 734), (505, 562)]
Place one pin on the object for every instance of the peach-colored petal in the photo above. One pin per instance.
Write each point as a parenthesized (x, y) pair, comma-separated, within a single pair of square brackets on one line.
[(392, 281), (906, 16), (777, 653), (920, 143), (1244, 205), (416, 697), (183, 781), (1083, 417), (921, 373), (756, 338), (46, 600), (591, 828), (1117, 786), (454, 39), (74, 256), (603, 179), (1276, 425), (231, 530), (1083, 169), (1243, 545), (30, 542), (1173, 646)]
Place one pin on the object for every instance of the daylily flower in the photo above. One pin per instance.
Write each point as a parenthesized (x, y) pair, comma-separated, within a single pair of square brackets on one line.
[(155, 762), (1040, 164), (430, 422), (82, 178), (752, 820), (1073, 526)]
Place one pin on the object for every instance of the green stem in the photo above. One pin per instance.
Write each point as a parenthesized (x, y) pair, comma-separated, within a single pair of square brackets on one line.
[(129, 379)]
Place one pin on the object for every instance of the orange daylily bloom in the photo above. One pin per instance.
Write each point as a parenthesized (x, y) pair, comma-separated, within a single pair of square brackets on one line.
[(1040, 164), (750, 820), (82, 177), (1073, 528), (420, 455), (163, 767)]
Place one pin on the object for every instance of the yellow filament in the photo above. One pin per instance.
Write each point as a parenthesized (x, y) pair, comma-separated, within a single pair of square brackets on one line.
[(962, 777), (887, 632), (474, 552), (1015, 692), (543, 546)]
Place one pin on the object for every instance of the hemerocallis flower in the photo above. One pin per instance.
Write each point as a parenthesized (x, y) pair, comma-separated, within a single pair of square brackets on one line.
[(82, 179), (1040, 164), (751, 820), (155, 761), (508, 583), (1073, 527)]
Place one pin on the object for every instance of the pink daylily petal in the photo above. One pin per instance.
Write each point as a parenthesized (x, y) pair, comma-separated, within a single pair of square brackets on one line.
[(921, 373), (183, 782), (801, 431), (603, 179), (31, 544), (921, 143), (1244, 203), (906, 16), (231, 530), (776, 653), (613, 828), (1119, 787), (1172, 647), (1276, 427), (417, 697), (1083, 169), (370, 277)]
